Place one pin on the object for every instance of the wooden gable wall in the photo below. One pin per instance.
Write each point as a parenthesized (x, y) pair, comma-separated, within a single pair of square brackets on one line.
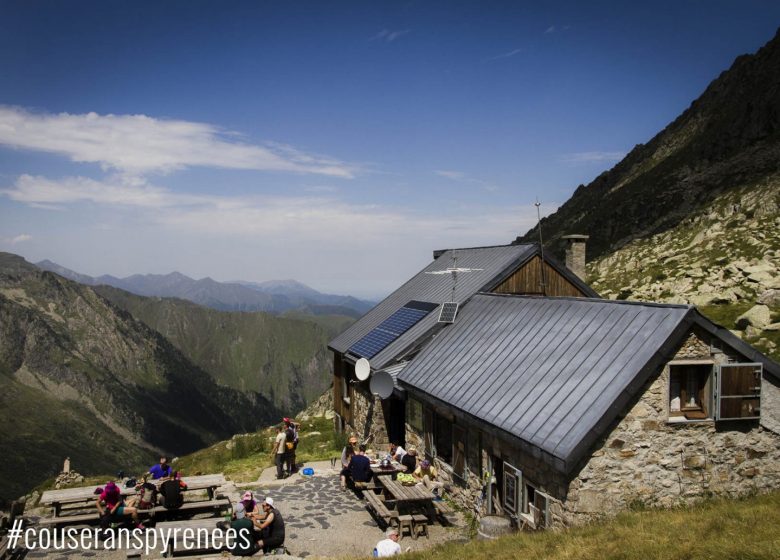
[(528, 280)]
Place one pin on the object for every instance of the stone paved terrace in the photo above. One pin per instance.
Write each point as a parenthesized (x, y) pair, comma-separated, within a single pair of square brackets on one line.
[(321, 520)]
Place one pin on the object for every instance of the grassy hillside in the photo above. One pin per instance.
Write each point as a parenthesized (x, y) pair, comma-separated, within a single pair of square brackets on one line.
[(714, 530), (284, 358)]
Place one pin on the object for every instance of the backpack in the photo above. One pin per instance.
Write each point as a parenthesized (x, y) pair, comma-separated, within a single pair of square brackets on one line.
[(147, 496), (289, 438)]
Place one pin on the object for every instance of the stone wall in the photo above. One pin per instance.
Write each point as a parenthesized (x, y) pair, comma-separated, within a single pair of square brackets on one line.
[(368, 416), (650, 461)]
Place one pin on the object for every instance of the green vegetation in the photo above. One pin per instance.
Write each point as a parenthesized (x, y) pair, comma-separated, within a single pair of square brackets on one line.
[(714, 530), (243, 457), (284, 358)]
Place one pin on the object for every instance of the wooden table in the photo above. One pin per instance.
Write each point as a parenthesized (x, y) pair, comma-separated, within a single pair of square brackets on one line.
[(393, 470), (86, 495), (406, 496)]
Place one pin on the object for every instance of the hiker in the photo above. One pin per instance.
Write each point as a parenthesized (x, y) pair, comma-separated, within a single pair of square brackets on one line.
[(279, 450), (397, 452), (171, 492), (251, 507), (160, 470), (291, 443), (348, 451), (272, 527), (346, 458), (389, 546), (426, 475), (112, 508), (244, 543), (410, 460), (360, 466)]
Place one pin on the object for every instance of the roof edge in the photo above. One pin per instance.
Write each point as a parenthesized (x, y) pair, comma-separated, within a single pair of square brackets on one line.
[(439, 252)]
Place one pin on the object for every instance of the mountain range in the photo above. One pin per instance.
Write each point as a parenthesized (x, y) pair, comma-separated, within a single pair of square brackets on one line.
[(82, 377), (275, 296)]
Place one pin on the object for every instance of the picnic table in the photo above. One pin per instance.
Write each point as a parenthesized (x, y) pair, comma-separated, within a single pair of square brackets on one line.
[(79, 498), (394, 468)]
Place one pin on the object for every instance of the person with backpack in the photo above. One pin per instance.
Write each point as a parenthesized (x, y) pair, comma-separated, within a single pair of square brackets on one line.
[(291, 444), (171, 492), (146, 494), (279, 451)]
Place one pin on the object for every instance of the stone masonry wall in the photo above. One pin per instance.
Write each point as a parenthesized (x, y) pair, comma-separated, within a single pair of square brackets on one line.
[(368, 419), (648, 460)]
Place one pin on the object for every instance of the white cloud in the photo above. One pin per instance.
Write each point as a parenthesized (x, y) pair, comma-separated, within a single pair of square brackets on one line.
[(21, 238), (509, 54), (550, 29), (454, 175), (138, 144), (592, 157), (389, 36)]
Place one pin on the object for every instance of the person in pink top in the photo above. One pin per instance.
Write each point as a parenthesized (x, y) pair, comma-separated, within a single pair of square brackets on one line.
[(111, 505)]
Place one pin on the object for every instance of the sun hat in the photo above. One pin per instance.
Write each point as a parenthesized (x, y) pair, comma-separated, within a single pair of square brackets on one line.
[(269, 501), (247, 496)]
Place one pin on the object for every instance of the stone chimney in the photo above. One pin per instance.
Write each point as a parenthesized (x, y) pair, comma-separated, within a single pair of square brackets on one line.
[(575, 254)]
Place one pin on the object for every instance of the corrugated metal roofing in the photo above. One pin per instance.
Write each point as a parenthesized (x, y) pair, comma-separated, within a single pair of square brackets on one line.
[(546, 370), (435, 288)]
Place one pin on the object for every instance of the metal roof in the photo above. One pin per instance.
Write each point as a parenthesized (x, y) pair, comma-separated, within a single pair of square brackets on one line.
[(496, 264), (552, 372)]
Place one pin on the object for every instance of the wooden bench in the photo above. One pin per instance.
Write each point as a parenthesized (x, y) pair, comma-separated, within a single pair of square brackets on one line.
[(377, 505), (94, 517), (419, 526)]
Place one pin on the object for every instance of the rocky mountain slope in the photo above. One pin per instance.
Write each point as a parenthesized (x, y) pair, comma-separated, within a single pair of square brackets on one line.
[(81, 378), (273, 296), (285, 359), (724, 259), (729, 138)]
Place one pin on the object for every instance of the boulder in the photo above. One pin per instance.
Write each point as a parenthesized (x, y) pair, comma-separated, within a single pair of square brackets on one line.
[(770, 298), (757, 316)]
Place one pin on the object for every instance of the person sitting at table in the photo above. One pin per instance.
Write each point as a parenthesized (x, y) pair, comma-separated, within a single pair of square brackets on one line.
[(346, 458), (251, 507), (271, 528), (397, 452), (410, 460), (112, 508), (160, 470), (171, 496), (426, 475), (388, 546), (348, 451), (146, 494), (360, 467)]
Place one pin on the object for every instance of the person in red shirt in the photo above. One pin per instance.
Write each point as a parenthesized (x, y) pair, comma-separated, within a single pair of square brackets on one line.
[(111, 505)]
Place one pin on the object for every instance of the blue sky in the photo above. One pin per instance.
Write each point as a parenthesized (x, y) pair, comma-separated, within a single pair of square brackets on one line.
[(335, 143)]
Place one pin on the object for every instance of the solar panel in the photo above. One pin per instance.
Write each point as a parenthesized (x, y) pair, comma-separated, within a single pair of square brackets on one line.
[(391, 328), (448, 311)]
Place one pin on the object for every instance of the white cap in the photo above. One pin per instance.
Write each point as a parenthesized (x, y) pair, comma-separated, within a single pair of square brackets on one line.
[(269, 501)]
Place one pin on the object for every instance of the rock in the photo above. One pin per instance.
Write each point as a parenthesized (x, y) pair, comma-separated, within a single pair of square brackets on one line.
[(772, 327), (757, 316), (770, 298)]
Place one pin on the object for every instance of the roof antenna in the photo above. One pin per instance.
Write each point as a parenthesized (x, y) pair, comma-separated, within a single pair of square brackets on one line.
[(541, 245)]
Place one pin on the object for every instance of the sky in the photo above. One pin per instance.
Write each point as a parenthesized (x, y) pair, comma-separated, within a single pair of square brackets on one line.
[(336, 143)]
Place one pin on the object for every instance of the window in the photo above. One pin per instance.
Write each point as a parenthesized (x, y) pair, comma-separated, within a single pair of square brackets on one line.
[(739, 392), (430, 447), (513, 482), (473, 456), (535, 507), (690, 392), (442, 438), (459, 452), (414, 414)]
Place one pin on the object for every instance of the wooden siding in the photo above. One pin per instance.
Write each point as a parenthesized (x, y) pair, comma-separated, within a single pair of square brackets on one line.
[(342, 370), (527, 280)]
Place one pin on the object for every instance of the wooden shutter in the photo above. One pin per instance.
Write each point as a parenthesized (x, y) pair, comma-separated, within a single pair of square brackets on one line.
[(739, 392)]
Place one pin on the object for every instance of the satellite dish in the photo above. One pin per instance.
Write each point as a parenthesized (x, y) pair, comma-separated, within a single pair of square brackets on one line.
[(382, 384), (362, 369)]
